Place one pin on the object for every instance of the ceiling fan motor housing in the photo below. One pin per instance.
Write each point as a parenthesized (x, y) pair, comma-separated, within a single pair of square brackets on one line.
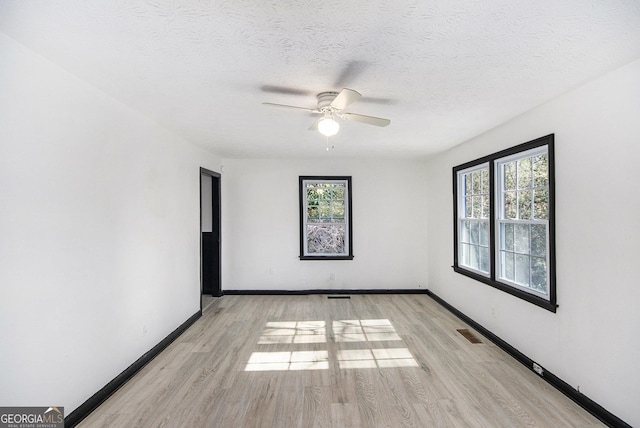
[(325, 99)]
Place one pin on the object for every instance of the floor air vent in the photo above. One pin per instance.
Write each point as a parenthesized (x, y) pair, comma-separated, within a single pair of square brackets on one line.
[(338, 297), (469, 336)]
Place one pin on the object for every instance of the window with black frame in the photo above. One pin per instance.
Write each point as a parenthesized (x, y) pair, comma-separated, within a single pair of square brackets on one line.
[(325, 218), (504, 221)]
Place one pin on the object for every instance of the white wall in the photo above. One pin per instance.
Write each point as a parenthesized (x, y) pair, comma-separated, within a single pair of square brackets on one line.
[(261, 238), (591, 342), (99, 233)]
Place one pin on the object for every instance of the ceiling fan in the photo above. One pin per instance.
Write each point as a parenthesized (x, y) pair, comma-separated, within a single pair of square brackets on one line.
[(331, 105)]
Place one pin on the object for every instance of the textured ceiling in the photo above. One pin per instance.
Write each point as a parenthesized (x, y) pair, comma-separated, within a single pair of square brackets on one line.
[(442, 71)]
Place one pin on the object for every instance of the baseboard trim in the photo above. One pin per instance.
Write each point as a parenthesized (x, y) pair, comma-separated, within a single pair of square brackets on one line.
[(585, 402), (323, 291), (99, 397)]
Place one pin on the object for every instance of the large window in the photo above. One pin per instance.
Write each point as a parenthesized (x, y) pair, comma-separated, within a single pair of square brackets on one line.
[(325, 218), (504, 234)]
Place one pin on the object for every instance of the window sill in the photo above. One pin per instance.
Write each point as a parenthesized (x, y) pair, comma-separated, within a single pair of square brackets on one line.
[(326, 257), (545, 304)]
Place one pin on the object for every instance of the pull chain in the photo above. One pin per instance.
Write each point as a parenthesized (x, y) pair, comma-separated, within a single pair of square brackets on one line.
[(332, 147)]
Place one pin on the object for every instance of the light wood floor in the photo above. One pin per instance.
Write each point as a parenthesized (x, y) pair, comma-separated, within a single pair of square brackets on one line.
[(207, 300), (310, 361)]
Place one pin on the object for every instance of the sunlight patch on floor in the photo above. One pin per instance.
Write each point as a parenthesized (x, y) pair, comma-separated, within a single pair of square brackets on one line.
[(291, 333), (371, 358), (297, 360)]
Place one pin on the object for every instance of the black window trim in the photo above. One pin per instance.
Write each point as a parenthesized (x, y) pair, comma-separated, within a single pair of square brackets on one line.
[(302, 195), (548, 141)]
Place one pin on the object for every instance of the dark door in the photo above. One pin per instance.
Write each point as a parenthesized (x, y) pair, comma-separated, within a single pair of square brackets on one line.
[(210, 232)]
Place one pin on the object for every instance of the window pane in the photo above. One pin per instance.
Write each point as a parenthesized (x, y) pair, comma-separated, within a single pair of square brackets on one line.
[(337, 209), (325, 238), (325, 209), (477, 206), (541, 204), (507, 236), (464, 231), (485, 206), (507, 265), (477, 185), (465, 254), (510, 209), (330, 194), (485, 181), (524, 173), (475, 239), (468, 184), (484, 233), (524, 205), (522, 269), (510, 176), (312, 213), (538, 240), (484, 259), (539, 274), (521, 234), (468, 207), (474, 257), (540, 171)]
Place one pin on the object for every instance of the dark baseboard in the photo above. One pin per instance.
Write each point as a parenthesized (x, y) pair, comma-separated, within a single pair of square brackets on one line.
[(323, 291), (99, 397), (585, 402)]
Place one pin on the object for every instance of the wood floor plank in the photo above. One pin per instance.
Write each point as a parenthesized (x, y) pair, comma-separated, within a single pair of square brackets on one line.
[(345, 415), (308, 361)]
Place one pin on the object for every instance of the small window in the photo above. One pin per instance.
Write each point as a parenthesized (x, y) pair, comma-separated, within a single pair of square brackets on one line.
[(504, 234), (325, 218)]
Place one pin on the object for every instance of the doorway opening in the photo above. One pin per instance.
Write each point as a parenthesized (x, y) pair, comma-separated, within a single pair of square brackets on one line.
[(210, 243)]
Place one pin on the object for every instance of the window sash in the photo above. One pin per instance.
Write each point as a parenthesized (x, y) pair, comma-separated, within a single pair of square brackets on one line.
[(473, 255), (330, 230), (512, 259), (511, 263)]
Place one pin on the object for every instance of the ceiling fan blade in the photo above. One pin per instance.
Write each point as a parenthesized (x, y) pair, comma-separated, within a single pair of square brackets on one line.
[(350, 73), (378, 100), (369, 120), (285, 90), (345, 98), (312, 110), (314, 127)]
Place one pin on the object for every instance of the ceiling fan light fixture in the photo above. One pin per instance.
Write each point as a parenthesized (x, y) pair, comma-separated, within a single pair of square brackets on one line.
[(328, 126)]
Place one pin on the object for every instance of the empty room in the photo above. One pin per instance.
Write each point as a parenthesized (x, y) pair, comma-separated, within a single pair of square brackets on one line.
[(319, 214)]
